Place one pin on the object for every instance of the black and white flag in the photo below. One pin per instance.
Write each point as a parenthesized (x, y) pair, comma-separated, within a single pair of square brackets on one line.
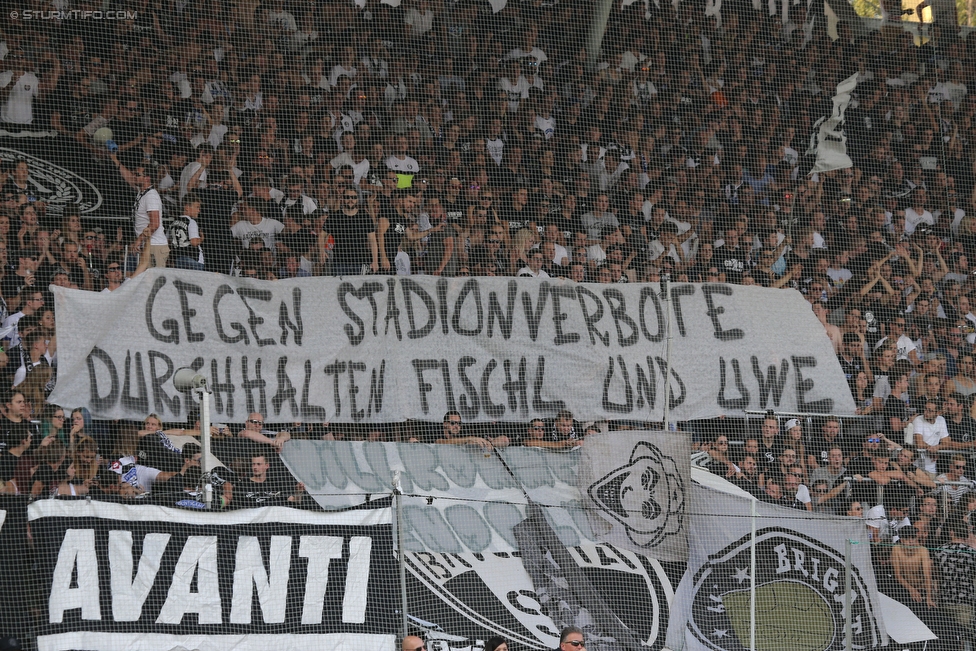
[(799, 579), (634, 488), (119, 576), (828, 141)]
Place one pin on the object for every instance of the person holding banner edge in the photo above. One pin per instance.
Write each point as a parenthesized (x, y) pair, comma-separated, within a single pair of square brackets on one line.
[(451, 435), (562, 436), (254, 430)]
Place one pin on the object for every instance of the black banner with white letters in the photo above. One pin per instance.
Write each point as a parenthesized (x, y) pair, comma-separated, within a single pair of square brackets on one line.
[(120, 577)]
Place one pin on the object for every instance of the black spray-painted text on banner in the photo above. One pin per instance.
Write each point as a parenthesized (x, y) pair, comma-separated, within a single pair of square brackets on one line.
[(494, 349), (405, 309)]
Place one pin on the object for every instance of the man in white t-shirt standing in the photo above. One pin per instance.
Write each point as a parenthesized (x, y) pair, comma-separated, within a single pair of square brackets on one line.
[(147, 211), (906, 347), (917, 213), (930, 431), (19, 86), (402, 163), (252, 225), (194, 175)]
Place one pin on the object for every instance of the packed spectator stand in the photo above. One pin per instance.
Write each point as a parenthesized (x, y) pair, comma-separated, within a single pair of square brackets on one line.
[(284, 140)]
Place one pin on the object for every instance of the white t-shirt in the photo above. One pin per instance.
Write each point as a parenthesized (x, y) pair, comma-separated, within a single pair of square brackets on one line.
[(217, 133), (283, 20), (341, 71), (905, 346), (308, 204), (19, 107), (420, 23), (525, 272), (546, 125), (402, 263), (535, 53), (408, 165), (515, 92), (149, 201), (655, 250), (495, 147), (839, 276), (561, 253), (359, 170), (876, 518), (931, 434), (12, 321), (913, 219), (266, 229), (972, 319)]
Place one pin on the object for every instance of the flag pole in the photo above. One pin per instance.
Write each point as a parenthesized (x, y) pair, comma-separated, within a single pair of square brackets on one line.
[(666, 298), (401, 559), (752, 580), (848, 628)]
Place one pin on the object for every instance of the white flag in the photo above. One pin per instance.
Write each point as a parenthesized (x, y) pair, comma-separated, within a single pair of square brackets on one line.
[(799, 578), (829, 141)]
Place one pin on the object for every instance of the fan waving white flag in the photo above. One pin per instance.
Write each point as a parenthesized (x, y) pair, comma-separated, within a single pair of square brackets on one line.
[(829, 141)]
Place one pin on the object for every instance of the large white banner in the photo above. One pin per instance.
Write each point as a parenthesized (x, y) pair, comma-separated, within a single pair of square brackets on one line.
[(385, 349), (622, 488)]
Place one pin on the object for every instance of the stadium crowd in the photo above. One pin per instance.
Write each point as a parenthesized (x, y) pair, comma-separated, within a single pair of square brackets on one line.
[(284, 139)]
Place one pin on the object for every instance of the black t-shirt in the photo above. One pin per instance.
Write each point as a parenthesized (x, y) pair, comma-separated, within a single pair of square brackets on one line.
[(517, 219), (454, 210), (750, 487), (298, 242), (506, 178), (819, 447), (634, 220), (568, 225), (75, 112), (350, 233), (395, 233), (851, 368), (49, 478), (11, 190), (962, 432), (13, 433), (731, 261), (894, 407), (169, 121), (8, 465), (768, 458), (214, 223), (179, 235), (271, 492), (127, 131), (157, 451), (864, 492), (12, 284)]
